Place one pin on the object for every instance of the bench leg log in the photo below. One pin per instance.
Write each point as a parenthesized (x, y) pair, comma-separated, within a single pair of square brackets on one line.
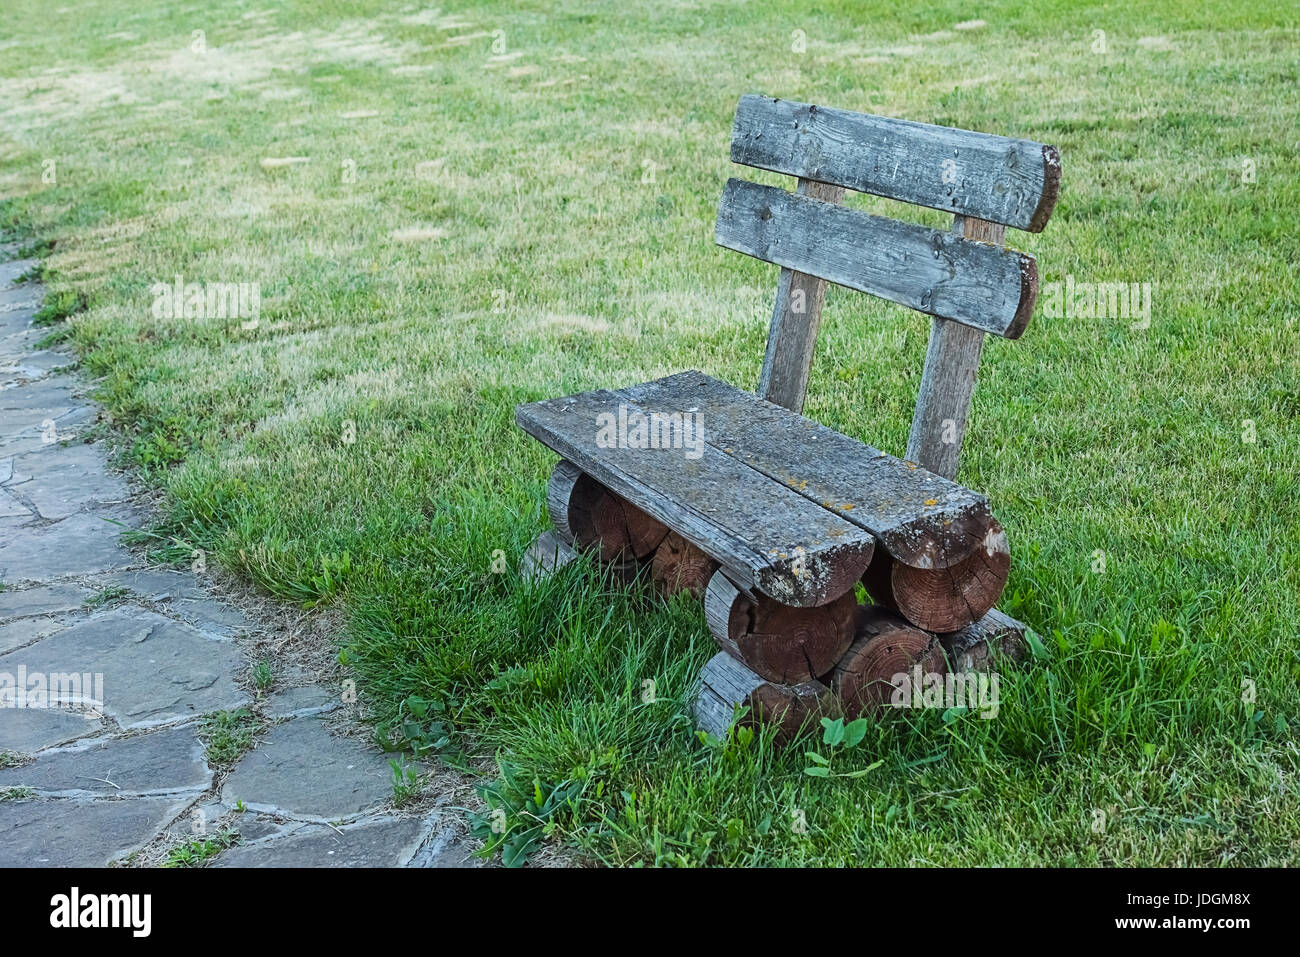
[(678, 565), (778, 642), (976, 647), (943, 599), (782, 664), (726, 684), (886, 646), (587, 514), (587, 517)]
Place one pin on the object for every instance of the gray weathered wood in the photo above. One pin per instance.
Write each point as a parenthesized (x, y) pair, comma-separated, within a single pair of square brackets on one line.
[(769, 537), (930, 270), (1009, 181), (922, 519), (545, 556), (549, 553), (726, 684), (796, 318), (948, 382), (974, 647), (726, 609), (565, 484)]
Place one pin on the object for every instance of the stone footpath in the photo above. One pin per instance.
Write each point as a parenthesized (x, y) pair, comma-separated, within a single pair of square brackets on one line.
[(127, 779)]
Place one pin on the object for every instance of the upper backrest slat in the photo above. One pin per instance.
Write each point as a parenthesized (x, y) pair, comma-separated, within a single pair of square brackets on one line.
[(996, 178)]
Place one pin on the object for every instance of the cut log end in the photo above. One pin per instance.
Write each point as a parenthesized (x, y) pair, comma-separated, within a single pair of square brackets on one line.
[(943, 599), (644, 532), (778, 642), (865, 677), (587, 514), (975, 647), (680, 566), (726, 684)]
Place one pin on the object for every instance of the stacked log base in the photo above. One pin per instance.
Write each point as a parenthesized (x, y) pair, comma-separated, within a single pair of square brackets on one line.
[(789, 665), (594, 518)]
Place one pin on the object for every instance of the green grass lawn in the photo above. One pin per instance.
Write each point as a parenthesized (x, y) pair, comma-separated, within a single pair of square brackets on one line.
[(483, 218)]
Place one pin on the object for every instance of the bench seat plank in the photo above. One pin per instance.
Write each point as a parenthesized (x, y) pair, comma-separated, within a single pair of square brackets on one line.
[(922, 519), (768, 537)]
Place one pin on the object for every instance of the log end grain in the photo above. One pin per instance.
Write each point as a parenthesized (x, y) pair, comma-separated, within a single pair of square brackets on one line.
[(586, 514), (864, 679), (644, 532), (780, 643), (943, 599), (680, 566)]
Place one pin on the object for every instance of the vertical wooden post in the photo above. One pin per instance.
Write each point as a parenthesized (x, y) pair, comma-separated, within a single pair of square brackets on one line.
[(796, 317), (948, 383)]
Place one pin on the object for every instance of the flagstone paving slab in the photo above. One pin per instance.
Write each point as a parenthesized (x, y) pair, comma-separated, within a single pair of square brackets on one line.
[(155, 669), (66, 480), (42, 600), (64, 833), (303, 771), (385, 843), (300, 702), (80, 545), (23, 631), (167, 762), (25, 730)]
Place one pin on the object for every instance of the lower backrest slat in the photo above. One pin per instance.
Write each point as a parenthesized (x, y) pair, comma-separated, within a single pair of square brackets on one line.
[(978, 284)]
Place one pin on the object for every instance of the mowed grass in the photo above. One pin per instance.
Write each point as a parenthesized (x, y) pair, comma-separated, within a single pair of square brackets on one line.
[(475, 227)]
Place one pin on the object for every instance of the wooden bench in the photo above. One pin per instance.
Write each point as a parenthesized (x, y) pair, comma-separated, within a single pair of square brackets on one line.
[(772, 518)]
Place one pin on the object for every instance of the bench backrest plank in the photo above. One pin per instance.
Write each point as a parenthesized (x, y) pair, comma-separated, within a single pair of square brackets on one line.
[(966, 279), (929, 270), (1003, 180)]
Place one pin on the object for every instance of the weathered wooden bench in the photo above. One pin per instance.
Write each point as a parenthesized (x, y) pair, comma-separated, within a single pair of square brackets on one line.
[(772, 518)]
